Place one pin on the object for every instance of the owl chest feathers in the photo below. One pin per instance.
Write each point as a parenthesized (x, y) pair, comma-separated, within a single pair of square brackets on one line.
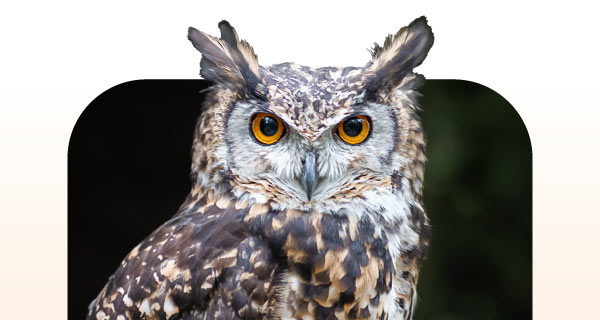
[(342, 263)]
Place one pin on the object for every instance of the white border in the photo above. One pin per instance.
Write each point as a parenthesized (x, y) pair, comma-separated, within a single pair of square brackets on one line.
[(56, 56)]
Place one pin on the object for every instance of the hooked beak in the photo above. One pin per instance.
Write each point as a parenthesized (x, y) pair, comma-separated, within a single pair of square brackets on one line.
[(309, 176)]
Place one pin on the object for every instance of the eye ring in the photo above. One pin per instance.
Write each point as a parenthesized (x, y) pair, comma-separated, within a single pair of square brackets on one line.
[(355, 129), (267, 128)]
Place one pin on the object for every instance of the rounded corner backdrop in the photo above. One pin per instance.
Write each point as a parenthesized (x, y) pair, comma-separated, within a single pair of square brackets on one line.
[(128, 172)]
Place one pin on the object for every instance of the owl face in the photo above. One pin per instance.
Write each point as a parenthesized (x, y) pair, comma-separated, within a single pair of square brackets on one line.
[(301, 136), (313, 157)]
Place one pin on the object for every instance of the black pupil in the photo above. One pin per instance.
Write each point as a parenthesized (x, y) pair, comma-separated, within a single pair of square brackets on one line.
[(268, 126), (353, 126)]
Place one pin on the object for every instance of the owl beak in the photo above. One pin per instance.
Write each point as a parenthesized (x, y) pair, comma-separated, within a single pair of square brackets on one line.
[(310, 176)]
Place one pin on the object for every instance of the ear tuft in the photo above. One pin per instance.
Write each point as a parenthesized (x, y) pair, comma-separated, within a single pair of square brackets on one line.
[(398, 56), (227, 61), (242, 52)]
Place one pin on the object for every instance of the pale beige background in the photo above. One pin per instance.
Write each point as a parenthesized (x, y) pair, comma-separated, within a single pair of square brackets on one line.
[(56, 56)]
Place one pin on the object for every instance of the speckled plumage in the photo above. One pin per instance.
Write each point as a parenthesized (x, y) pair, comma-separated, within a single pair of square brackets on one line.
[(249, 242)]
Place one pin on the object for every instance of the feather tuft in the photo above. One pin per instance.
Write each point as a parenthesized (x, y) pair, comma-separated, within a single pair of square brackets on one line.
[(398, 56), (228, 60)]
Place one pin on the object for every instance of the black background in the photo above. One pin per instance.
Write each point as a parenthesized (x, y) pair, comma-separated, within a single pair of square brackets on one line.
[(129, 159)]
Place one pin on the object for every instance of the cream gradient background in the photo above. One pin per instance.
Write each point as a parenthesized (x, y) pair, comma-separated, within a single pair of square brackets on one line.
[(56, 56)]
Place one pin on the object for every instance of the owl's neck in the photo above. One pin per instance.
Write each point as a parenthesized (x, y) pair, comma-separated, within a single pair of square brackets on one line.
[(396, 211)]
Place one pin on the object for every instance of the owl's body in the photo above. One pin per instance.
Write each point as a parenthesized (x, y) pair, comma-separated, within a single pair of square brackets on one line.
[(301, 220)]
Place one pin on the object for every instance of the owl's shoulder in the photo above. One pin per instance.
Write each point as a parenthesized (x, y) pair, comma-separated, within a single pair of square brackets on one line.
[(192, 265)]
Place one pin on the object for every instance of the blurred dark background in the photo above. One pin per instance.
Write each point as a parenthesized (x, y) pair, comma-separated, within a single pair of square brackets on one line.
[(129, 160)]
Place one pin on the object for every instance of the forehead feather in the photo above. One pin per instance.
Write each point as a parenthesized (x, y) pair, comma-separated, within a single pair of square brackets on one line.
[(312, 100)]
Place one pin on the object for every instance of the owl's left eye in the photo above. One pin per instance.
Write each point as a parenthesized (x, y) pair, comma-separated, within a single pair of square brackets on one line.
[(354, 130), (267, 128)]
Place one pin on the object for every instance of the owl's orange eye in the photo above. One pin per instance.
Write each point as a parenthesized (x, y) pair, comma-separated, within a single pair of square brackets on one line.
[(354, 130), (267, 128)]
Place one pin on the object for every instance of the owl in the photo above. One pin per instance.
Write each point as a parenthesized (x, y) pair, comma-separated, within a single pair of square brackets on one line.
[(306, 198)]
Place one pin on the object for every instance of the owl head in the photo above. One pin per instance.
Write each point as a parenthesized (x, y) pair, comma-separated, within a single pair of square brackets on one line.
[(301, 137)]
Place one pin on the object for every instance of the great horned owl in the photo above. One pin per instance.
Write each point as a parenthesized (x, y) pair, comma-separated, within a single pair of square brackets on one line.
[(307, 194)]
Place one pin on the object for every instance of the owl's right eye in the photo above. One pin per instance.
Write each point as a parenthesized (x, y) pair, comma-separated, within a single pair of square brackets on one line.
[(267, 128)]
